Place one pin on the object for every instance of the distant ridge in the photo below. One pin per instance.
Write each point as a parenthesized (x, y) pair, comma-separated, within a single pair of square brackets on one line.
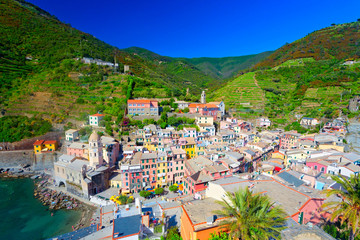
[(339, 41), (226, 67)]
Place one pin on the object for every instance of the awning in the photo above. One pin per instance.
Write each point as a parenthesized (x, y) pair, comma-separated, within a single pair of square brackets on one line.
[(278, 169)]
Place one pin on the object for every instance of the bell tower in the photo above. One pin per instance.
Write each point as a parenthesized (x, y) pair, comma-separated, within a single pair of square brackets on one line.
[(203, 97)]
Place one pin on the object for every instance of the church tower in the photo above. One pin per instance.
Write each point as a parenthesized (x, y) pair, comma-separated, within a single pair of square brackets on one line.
[(203, 97), (95, 151)]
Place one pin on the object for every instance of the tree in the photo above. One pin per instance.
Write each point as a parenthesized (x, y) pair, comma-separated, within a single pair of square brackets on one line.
[(186, 110), (173, 234), (144, 194), (348, 210), (173, 188), (251, 216), (159, 191), (220, 236)]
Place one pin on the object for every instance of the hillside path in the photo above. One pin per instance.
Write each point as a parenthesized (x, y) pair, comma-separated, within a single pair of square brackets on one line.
[(263, 92)]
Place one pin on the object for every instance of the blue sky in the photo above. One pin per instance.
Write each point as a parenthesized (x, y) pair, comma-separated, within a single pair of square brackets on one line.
[(200, 28)]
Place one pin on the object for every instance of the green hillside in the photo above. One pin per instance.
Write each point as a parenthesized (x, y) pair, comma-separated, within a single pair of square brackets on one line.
[(339, 41), (226, 67), (40, 73), (303, 86)]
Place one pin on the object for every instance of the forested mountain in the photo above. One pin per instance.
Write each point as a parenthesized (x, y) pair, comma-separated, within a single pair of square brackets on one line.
[(226, 67), (338, 41)]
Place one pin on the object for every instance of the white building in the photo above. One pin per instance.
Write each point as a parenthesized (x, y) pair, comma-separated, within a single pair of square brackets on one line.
[(306, 121), (204, 119), (190, 132), (95, 119), (182, 104), (263, 122), (71, 135)]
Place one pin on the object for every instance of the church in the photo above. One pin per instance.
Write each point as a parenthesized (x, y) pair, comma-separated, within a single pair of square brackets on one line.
[(88, 176)]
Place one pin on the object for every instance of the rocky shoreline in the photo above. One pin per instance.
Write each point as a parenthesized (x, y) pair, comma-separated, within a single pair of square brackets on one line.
[(53, 199)]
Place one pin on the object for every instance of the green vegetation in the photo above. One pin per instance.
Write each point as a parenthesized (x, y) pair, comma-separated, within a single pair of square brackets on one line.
[(223, 68), (144, 194), (219, 236), (347, 210), (15, 128), (335, 42), (40, 73), (173, 188), (172, 234), (251, 216), (159, 191), (313, 89), (158, 228), (241, 93)]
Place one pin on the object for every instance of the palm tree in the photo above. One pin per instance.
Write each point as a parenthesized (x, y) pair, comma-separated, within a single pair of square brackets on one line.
[(347, 210), (251, 216)]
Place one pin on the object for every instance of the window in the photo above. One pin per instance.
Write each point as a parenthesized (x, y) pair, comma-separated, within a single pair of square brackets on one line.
[(315, 167)]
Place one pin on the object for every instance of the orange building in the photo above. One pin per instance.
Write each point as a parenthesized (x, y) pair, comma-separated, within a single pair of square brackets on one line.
[(198, 221)]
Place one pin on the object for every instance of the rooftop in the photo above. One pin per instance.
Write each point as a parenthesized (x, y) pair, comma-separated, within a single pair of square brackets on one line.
[(127, 226)]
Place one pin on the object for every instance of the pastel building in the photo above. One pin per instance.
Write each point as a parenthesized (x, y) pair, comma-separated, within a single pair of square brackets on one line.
[(206, 109), (78, 150), (143, 107), (289, 140), (71, 135), (95, 119), (45, 146), (110, 148), (149, 167)]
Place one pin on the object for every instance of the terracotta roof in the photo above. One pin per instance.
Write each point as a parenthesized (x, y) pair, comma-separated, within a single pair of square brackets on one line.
[(192, 105), (97, 115), (201, 105), (38, 142), (50, 142)]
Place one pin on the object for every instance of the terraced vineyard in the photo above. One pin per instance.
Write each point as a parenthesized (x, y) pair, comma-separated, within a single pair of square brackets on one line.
[(241, 92)]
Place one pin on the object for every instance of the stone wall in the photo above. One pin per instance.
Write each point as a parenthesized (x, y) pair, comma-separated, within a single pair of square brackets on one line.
[(39, 162), (28, 143)]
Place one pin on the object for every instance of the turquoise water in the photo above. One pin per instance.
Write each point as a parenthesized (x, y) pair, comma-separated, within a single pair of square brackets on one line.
[(24, 217)]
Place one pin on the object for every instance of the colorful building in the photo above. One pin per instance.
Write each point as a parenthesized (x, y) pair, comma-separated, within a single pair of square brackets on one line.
[(95, 119), (143, 107), (206, 109), (188, 144), (45, 146)]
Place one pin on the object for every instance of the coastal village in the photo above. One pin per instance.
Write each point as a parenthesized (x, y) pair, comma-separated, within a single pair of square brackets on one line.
[(160, 178)]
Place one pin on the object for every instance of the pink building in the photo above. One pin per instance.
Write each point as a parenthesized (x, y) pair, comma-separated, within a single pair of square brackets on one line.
[(224, 124), (148, 165), (206, 109), (176, 166), (143, 107), (201, 170), (131, 178), (311, 212), (318, 165), (78, 149)]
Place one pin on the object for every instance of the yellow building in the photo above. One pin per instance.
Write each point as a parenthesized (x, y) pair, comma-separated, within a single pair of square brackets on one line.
[(45, 146), (280, 155), (200, 150), (335, 146), (162, 169), (189, 147), (257, 139), (115, 181)]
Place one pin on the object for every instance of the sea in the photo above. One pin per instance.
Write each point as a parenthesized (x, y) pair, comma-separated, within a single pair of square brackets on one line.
[(24, 217)]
